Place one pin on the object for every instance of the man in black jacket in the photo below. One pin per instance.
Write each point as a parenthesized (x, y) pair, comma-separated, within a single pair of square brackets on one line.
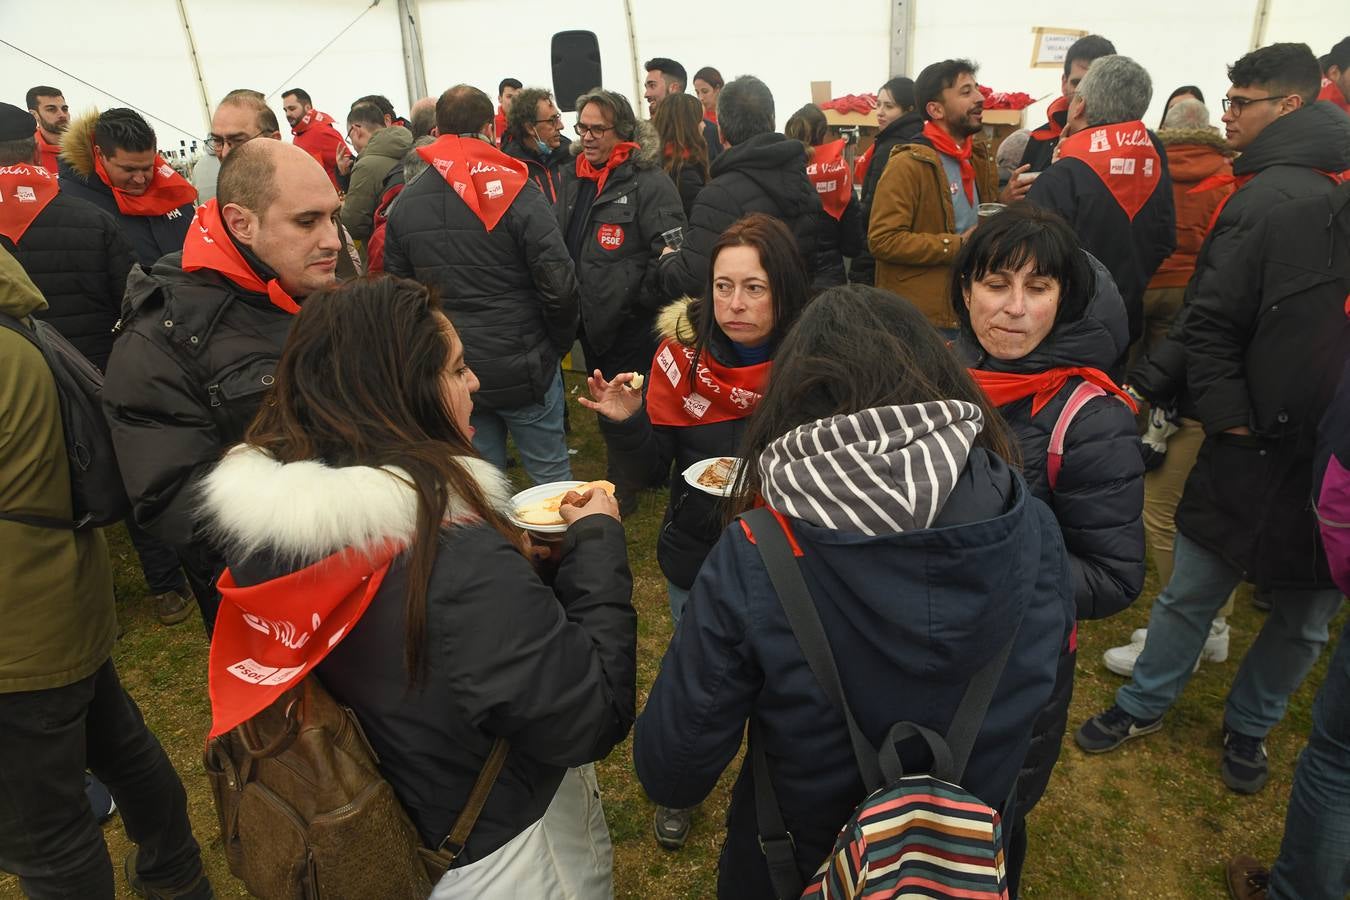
[(477, 228), (761, 171), (1040, 149), (1111, 183), (1265, 339), (109, 159), (202, 332)]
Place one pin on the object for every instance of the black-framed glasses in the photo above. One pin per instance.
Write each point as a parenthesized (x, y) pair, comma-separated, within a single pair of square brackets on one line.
[(1238, 104), (555, 119), (597, 130), (218, 143)]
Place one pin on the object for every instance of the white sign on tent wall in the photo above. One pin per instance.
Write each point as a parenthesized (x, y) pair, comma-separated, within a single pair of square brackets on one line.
[(1052, 46)]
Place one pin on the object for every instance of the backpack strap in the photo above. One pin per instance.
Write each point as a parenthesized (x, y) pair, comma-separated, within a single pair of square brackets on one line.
[(1054, 458), (454, 842)]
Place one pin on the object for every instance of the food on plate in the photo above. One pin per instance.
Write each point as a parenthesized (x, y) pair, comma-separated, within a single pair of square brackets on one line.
[(636, 382), (718, 475), (545, 512)]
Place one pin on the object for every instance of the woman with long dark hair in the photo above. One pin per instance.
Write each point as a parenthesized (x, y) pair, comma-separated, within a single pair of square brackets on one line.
[(899, 121), (707, 85), (684, 151), (924, 553), (360, 525), (841, 223)]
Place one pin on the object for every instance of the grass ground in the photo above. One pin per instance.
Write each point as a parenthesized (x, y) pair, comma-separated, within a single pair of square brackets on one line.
[(1151, 820)]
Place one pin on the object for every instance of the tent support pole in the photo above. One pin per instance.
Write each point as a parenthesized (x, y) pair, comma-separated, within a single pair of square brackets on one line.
[(633, 50), (196, 61), (1259, 23), (414, 69), (902, 30)]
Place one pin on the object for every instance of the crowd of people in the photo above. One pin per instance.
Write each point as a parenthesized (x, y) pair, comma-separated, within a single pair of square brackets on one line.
[(975, 389)]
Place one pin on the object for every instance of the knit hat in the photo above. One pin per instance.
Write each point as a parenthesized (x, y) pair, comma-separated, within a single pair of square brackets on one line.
[(15, 123)]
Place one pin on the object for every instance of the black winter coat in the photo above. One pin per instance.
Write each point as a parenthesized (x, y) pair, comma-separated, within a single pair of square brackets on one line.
[(839, 238), (1266, 343), (511, 292), (78, 257), (644, 452), (194, 359), (689, 182), (621, 243), (1286, 161), (546, 172), (150, 236), (1131, 249), (910, 617), (902, 131), (766, 174)]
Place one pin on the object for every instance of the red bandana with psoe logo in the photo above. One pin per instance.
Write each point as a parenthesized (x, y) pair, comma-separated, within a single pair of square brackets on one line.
[(25, 191), (1124, 158), (209, 246), (313, 117), (829, 173), (486, 179), (167, 191), (721, 394), (269, 636), (585, 170)]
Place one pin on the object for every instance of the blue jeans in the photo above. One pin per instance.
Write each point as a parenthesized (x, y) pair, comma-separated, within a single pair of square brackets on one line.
[(1289, 643), (538, 433), (678, 598), (1314, 861)]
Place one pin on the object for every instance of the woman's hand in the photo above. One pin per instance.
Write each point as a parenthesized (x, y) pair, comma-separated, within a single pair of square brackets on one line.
[(612, 399), (595, 502)]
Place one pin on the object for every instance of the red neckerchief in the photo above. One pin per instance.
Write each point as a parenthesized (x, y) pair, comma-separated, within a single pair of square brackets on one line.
[(829, 173), (944, 143), (864, 163), (1332, 94), (167, 191), (270, 635), (486, 179), (1056, 116), (25, 191), (1003, 388), (1124, 158), (50, 151), (499, 126), (209, 246), (723, 393), (600, 176), (710, 115), (313, 117)]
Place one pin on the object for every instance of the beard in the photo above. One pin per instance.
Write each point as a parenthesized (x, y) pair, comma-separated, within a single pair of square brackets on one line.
[(55, 128), (967, 126)]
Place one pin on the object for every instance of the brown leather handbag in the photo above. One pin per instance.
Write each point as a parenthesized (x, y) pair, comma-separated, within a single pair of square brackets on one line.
[(304, 812)]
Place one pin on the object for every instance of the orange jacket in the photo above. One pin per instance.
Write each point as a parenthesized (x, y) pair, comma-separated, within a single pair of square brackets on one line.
[(1192, 156)]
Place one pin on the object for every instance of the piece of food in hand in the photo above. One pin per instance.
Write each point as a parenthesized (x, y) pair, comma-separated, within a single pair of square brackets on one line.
[(635, 384), (545, 512), (718, 475)]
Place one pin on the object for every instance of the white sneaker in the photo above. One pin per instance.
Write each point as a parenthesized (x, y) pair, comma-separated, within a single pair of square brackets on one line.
[(1120, 660)]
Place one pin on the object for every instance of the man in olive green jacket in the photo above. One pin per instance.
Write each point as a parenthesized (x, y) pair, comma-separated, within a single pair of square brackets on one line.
[(62, 708)]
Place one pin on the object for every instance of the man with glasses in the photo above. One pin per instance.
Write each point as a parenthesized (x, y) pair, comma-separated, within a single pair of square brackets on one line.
[(534, 130), (313, 131), (241, 116), (1245, 359)]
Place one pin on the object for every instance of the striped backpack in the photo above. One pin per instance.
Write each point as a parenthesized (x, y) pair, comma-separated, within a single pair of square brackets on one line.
[(914, 834)]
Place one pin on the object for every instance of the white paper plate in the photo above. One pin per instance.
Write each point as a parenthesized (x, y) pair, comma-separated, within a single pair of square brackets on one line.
[(691, 476), (534, 495)]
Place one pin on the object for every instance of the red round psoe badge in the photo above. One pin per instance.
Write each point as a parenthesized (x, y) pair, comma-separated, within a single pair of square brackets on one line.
[(610, 236)]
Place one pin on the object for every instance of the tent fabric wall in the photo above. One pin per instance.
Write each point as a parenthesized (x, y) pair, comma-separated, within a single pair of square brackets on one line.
[(138, 52)]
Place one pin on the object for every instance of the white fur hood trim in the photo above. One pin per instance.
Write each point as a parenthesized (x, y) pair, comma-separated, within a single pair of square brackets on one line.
[(306, 511)]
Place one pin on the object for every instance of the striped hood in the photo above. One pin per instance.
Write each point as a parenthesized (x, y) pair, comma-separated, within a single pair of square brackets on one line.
[(879, 471)]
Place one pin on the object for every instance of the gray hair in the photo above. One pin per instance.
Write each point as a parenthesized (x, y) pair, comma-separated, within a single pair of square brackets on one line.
[(1115, 89), (618, 107), (744, 109), (413, 163), (1188, 114)]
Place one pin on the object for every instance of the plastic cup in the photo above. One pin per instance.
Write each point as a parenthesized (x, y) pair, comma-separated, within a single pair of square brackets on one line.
[(674, 238), (986, 210)]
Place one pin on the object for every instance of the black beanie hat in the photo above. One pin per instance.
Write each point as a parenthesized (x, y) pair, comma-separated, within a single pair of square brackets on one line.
[(15, 123)]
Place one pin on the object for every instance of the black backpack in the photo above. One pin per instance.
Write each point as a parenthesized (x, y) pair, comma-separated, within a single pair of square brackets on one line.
[(97, 495)]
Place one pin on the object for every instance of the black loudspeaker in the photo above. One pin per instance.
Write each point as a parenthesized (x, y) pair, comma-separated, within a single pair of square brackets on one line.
[(576, 66)]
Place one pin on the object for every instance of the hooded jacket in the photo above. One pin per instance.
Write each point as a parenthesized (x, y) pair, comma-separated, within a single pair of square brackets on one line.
[(765, 174), (1266, 344), (552, 670), (912, 229), (150, 236), (620, 242), (384, 153), (547, 172), (645, 453), (1289, 159), (1040, 151), (910, 617), (56, 588), (79, 258), (903, 130), (1131, 249), (511, 292), (1193, 155)]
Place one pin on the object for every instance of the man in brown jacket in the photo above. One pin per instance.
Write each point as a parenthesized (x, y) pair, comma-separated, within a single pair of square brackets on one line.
[(928, 197)]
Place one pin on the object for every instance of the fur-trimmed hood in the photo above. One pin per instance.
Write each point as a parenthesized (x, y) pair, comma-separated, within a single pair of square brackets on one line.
[(1204, 137), (77, 144), (648, 153), (673, 323), (303, 512), (1194, 154)]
